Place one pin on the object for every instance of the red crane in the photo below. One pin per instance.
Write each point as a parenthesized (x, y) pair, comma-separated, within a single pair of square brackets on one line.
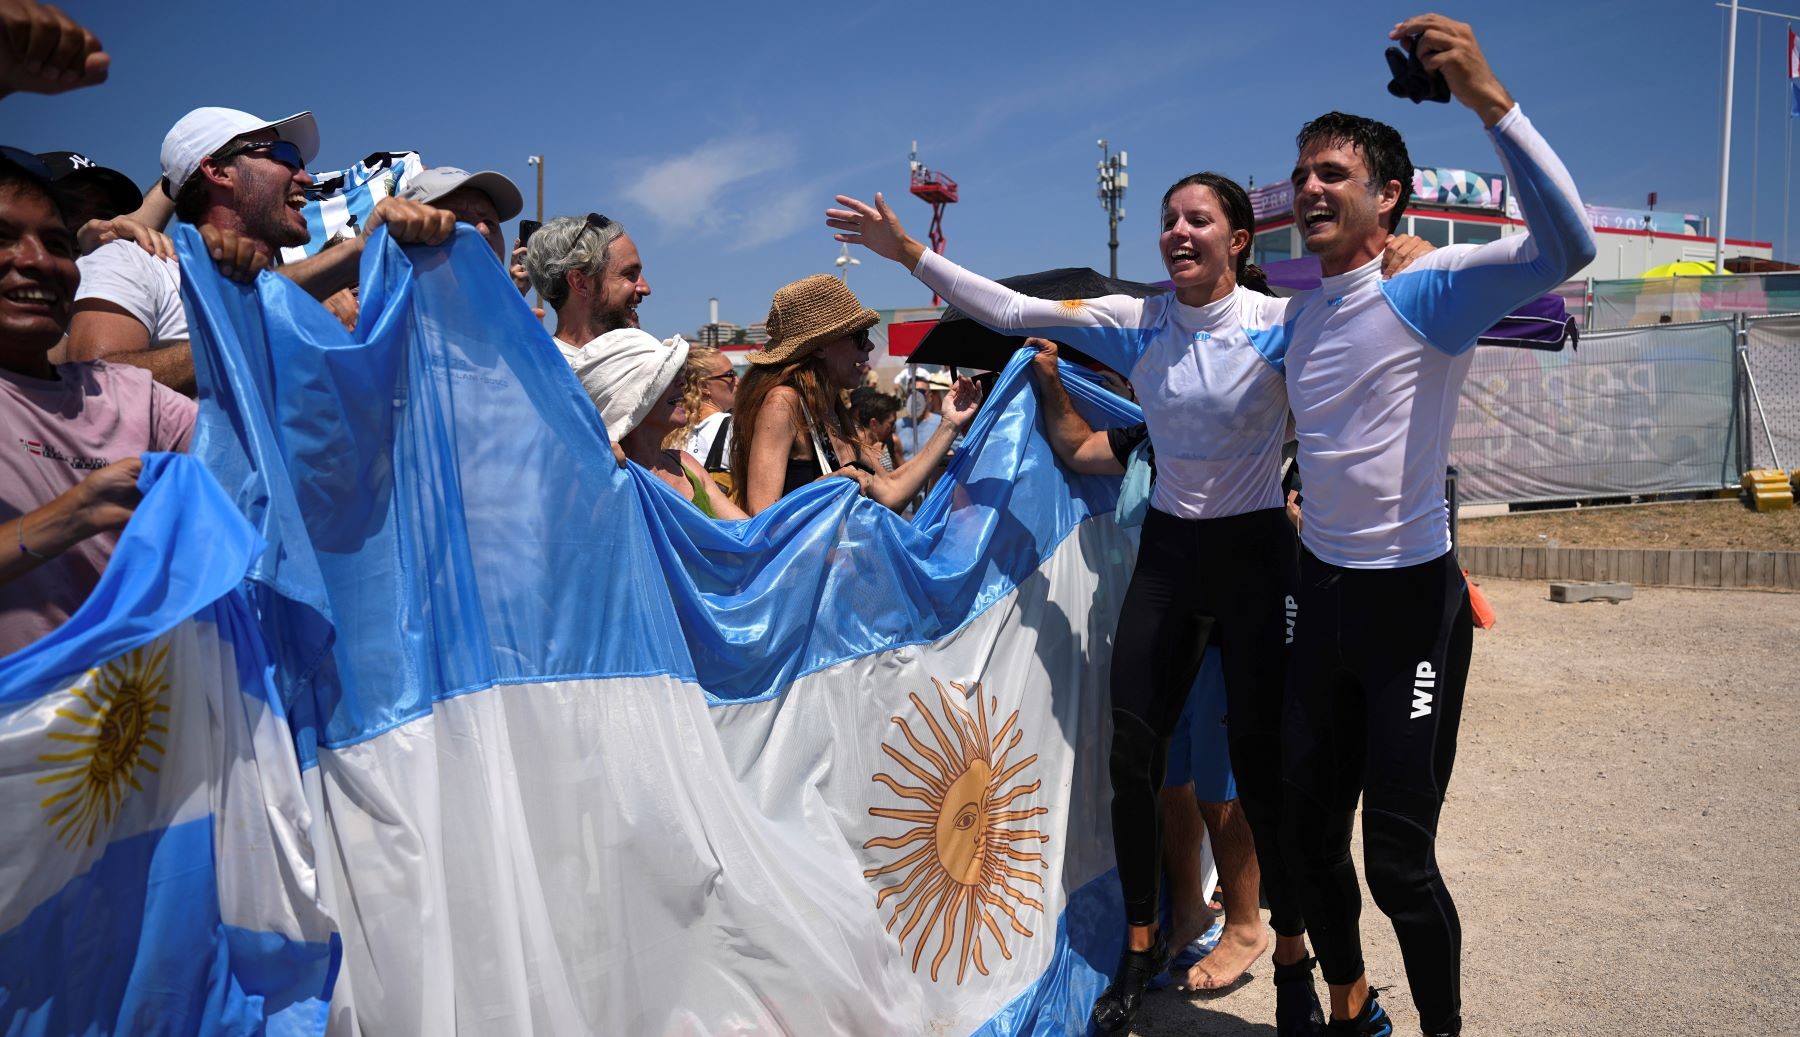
[(936, 190)]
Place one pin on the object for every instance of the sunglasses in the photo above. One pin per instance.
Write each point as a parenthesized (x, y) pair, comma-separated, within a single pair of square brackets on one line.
[(594, 221), (861, 339), (727, 376), (285, 152)]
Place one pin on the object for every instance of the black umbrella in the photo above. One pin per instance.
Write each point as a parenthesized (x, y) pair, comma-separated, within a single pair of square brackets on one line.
[(959, 341)]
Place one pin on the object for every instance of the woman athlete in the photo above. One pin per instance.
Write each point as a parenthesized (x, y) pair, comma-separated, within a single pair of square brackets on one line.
[(1217, 558)]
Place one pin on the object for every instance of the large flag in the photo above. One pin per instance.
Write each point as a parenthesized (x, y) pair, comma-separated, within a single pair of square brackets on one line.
[(157, 874), (585, 761), (1793, 55)]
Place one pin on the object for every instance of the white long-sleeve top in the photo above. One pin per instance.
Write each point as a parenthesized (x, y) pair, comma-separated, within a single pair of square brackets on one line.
[(1209, 380), (1374, 367)]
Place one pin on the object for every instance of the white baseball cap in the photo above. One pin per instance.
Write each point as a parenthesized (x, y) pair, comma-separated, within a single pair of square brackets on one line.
[(429, 185), (205, 130)]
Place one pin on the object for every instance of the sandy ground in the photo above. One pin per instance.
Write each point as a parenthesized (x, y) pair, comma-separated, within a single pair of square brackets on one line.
[(1622, 834)]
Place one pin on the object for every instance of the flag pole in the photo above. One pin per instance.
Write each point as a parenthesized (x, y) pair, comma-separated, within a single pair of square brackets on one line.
[(1725, 143)]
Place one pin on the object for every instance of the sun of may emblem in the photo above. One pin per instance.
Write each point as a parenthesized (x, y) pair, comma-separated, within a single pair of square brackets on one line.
[(960, 870), (117, 716)]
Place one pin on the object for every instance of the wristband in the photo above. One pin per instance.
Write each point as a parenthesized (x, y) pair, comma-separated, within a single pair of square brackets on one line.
[(26, 551)]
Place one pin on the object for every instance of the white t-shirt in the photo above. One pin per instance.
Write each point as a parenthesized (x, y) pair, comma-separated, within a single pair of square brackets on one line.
[(142, 285)]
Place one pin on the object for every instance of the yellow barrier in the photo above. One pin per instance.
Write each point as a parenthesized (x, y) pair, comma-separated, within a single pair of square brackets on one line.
[(1768, 489)]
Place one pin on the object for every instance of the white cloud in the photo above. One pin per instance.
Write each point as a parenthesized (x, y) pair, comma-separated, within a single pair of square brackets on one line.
[(723, 186)]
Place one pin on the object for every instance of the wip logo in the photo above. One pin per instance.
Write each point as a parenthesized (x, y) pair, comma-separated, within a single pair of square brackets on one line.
[(1293, 611), (1424, 679)]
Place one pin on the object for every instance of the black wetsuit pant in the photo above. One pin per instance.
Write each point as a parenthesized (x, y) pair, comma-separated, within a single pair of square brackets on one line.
[(1375, 692), (1224, 580)]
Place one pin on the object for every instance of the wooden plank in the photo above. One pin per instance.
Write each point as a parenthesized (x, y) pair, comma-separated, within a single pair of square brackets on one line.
[(1531, 563), (1761, 571), (1681, 568), (1656, 568), (1511, 562), (1734, 568), (1706, 568)]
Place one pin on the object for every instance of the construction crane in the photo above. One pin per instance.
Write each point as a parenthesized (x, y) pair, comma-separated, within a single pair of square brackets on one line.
[(936, 190)]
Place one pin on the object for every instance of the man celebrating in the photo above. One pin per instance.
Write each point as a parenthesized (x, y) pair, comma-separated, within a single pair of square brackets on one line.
[(588, 270), (242, 180), (1381, 641)]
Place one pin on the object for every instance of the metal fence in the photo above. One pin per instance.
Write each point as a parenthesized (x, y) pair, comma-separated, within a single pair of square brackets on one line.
[(1771, 391), (1633, 412)]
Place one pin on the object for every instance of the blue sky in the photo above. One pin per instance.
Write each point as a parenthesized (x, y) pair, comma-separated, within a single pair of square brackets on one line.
[(719, 132)]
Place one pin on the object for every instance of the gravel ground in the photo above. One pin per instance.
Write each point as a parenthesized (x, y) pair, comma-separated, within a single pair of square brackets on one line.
[(1623, 830)]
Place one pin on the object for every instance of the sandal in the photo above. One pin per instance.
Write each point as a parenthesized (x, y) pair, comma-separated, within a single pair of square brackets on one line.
[(1118, 1005)]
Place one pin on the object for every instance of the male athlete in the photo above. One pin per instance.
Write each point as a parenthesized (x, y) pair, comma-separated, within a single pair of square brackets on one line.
[(1382, 639)]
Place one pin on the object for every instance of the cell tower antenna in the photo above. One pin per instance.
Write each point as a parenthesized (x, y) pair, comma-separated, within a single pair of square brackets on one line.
[(936, 190)]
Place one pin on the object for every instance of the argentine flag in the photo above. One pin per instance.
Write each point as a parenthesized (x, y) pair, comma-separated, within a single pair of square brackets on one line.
[(583, 761), (157, 876)]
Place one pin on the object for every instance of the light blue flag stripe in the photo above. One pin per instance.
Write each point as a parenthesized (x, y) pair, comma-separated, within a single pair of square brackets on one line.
[(371, 458)]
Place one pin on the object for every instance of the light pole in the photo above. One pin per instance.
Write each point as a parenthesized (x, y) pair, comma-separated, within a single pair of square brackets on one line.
[(1113, 181), (538, 161), (844, 262)]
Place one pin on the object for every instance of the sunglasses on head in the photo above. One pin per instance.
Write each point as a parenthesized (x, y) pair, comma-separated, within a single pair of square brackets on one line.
[(595, 221), (285, 152)]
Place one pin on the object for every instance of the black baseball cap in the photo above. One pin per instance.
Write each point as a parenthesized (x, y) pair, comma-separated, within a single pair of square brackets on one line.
[(70, 168)]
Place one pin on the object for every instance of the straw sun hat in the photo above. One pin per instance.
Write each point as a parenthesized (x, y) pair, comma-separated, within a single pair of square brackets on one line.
[(808, 313)]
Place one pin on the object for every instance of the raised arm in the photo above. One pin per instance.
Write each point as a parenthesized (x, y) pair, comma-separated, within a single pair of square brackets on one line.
[(895, 488), (1109, 329), (1453, 294), (1077, 445)]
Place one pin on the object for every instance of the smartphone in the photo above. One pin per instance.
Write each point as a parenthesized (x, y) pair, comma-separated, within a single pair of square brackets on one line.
[(526, 229)]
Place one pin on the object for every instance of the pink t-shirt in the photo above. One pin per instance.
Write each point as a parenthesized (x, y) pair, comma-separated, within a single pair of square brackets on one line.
[(55, 433)]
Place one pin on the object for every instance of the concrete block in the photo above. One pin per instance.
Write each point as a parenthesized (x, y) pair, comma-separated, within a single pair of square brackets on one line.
[(1571, 592)]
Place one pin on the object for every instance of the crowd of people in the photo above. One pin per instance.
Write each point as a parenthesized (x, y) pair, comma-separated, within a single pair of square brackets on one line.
[(1276, 661)]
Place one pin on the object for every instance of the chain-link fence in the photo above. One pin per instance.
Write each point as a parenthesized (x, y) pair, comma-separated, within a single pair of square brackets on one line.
[(1632, 412), (1771, 406)]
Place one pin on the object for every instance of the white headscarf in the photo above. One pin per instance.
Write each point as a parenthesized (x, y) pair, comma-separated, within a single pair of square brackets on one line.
[(625, 372)]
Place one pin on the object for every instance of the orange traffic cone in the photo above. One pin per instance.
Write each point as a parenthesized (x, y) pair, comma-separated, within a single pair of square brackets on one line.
[(1478, 603)]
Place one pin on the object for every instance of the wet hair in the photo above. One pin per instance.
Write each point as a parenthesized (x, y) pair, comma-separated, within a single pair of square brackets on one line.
[(1239, 215), (1383, 151), (564, 244)]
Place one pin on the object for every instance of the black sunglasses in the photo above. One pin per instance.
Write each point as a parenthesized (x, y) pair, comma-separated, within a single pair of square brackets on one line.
[(285, 152), (595, 221)]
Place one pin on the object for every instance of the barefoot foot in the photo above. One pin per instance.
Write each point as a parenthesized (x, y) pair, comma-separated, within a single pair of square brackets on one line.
[(1237, 951)]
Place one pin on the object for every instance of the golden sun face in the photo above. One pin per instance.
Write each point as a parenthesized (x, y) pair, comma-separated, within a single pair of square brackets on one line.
[(117, 712), (960, 869)]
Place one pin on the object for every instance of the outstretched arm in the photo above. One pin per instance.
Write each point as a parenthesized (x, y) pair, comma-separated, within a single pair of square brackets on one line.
[(895, 488), (1107, 328), (1077, 445), (1452, 295)]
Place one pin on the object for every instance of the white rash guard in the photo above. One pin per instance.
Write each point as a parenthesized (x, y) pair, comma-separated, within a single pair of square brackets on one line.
[(1374, 367), (1212, 394)]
